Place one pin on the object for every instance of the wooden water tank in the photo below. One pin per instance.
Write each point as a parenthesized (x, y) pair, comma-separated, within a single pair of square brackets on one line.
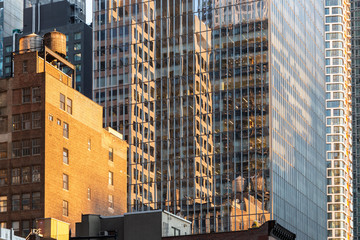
[(56, 41), (30, 43)]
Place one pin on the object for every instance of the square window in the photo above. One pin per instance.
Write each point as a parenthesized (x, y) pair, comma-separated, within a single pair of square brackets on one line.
[(77, 36), (77, 57), (51, 117), (77, 46)]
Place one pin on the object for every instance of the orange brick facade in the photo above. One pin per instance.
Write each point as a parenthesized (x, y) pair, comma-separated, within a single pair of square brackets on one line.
[(67, 163)]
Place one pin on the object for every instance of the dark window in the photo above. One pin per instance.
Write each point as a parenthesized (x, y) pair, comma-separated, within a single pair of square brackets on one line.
[(26, 95), (25, 201), (15, 203), (35, 204)]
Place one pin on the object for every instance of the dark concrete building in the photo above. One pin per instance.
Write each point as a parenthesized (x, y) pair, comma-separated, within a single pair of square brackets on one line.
[(68, 18), (150, 225), (269, 230)]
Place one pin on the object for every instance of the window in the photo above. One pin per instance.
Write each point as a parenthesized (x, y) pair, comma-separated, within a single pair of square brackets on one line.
[(2, 224), (8, 49), (35, 203), (36, 123), (25, 227), (36, 146), (89, 144), (65, 208), (3, 177), (77, 46), (26, 121), (7, 59), (16, 119), (25, 201), (16, 149), (89, 194), (26, 95), (58, 122), (65, 156), (69, 105), (51, 118), (16, 226), (77, 57), (111, 201), (176, 231), (3, 203), (65, 181), (15, 204), (15, 176), (25, 175), (3, 150), (111, 157), (35, 174), (26, 147), (66, 130), (111, 178), (62, 101), (77, 36), (36, 94)]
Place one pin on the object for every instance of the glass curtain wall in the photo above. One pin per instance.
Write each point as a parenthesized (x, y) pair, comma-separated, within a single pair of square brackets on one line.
[(188, 83)]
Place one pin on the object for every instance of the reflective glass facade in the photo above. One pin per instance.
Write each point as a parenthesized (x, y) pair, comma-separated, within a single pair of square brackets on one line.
[(11, 17), (338, 120), (222, 104)]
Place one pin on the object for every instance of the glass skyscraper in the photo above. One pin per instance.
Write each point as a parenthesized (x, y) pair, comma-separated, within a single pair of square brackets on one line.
[(223, 105), (338, 120), (11, 18)]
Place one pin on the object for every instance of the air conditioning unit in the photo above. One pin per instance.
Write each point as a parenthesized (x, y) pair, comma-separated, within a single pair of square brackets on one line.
[(104, 233)]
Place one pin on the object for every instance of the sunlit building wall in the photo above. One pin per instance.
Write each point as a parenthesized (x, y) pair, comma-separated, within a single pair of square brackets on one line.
[(237, 114), (338, 120)]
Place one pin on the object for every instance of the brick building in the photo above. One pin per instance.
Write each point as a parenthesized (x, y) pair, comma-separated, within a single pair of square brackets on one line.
[(56, 159)]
